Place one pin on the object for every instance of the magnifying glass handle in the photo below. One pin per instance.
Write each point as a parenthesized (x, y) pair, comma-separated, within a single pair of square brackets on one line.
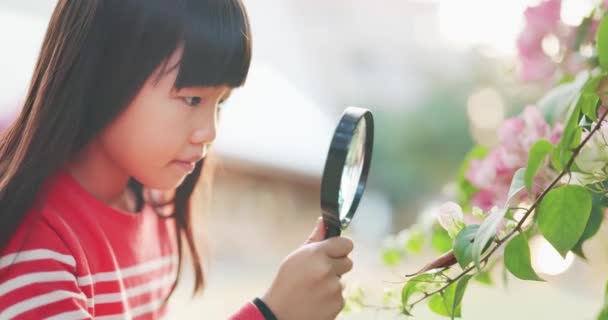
[(332, 231)]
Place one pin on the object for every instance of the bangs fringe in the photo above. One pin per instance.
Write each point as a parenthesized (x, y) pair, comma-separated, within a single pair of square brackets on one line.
[(216, 43)]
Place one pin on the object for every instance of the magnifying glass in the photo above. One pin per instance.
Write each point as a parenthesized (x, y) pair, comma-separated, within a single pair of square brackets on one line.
[(346, 169)]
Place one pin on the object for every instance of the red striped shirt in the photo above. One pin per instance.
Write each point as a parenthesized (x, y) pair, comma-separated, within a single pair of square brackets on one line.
[(74, 257)]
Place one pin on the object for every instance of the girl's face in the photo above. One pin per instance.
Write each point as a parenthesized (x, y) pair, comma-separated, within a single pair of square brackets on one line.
[(164, 132)]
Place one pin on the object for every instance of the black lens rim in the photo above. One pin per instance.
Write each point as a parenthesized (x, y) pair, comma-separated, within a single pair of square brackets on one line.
[(334, 165)]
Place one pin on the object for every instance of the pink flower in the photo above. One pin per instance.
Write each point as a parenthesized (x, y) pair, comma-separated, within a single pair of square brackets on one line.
[(517, 135), (509, 130), (511, 158), (592, 32), (536, 125), (556, 133), (595, 25), (484, 199), (571, 33), (451, 218), (574, 64), (529, 43), (541, 21), (534, 64), (536, 67), (493, 175), (543, 18), (481, 173)]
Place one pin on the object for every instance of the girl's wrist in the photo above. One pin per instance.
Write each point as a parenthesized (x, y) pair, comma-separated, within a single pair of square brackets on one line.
[(264, 309)]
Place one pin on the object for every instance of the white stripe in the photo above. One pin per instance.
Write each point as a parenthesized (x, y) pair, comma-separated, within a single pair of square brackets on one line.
[(135, 312), (135, 291), (71, 315), (113, 317), (36, 254), (146, 308), (127, 272), (37, 277), (38, 301)]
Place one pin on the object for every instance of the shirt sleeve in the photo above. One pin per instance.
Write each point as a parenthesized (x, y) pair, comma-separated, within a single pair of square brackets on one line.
[(38, 278), (248, 312)]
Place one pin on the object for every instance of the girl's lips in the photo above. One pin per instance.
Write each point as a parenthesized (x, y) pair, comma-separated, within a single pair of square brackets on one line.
[(185, 165)]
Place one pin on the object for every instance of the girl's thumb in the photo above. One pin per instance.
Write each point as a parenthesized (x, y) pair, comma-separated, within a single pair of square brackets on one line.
[(318, 233)]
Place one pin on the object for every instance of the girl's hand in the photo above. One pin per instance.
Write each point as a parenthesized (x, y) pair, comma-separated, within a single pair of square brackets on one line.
[(307, 285)]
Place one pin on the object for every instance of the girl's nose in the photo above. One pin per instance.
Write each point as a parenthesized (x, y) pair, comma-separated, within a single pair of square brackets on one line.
[(203, 136)]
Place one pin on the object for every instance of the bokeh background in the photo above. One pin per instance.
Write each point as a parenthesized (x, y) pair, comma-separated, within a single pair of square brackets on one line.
[(439, 75)]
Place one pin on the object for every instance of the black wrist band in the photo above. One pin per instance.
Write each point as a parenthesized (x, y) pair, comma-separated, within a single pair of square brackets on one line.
[(266, 312)]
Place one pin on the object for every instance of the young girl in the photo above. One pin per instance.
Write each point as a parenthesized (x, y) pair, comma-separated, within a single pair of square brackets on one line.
[(123, 106)]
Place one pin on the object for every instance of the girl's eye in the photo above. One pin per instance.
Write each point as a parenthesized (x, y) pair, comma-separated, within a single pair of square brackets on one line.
[(192, 101)]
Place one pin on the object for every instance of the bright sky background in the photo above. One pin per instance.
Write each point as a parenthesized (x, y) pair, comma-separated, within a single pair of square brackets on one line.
[(494, 23)]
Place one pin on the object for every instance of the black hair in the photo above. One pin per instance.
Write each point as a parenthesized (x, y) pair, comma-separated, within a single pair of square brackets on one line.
[(95, 57)]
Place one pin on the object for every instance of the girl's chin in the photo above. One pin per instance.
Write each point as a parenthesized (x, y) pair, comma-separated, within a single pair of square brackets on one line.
[(168, 182)]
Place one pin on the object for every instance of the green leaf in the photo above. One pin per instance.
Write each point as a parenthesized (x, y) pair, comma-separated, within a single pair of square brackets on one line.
[(463, 244), (578, 250), (538, 153), (570, 138), (556, 159), (486, 233), (461, 287), (563, 153), (415, 285), (592, 83), (581, 32), (517, 184), (589, 105), (517, 259), (505, 276), (593, 225), (439, 305), (484, 277), (441, 241), (571, 126), (566, 78), (442, 303), (387, 298), (391, 256), (415, 242), (604, 313), (465, 188), (602, 43), (576, 140), (563, 215), (449, 302), (557, 100)]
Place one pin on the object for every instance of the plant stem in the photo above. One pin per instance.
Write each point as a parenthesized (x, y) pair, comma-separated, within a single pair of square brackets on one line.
[(500, 242)]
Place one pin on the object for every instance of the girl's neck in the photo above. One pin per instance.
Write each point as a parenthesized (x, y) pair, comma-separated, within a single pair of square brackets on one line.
[(99, 176)]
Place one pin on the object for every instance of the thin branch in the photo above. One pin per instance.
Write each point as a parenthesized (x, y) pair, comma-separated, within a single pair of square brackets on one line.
[(529, 211), (566, 169), (378, 308), (518, 208)]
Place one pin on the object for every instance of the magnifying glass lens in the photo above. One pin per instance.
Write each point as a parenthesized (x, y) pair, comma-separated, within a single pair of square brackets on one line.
[(352, 170)]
